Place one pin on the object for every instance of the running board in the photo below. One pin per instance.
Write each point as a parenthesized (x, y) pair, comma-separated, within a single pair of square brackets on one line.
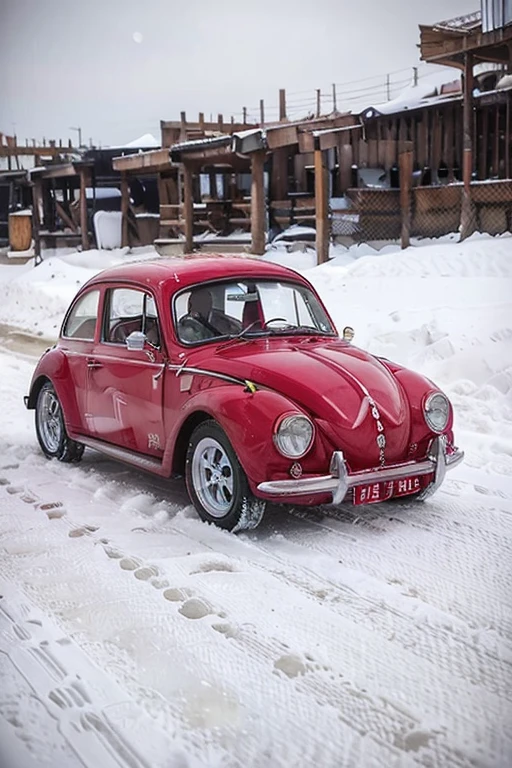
[(147, 463)]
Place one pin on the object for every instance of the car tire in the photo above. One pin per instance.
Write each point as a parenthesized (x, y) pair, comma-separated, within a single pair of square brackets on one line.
[(217, 484), (51, 430)]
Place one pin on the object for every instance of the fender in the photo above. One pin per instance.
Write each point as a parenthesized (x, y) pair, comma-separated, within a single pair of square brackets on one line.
[(417, 389), (248, 418), (54, 366)]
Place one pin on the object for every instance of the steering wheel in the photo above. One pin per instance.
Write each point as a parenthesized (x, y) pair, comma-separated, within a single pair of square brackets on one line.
[(275, 320), (195, 326)]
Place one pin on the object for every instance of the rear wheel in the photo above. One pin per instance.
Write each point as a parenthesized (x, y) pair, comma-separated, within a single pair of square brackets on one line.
[(50, 428), (216, 482)]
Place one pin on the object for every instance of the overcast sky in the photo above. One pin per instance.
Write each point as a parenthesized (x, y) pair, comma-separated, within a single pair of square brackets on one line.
[(116, 67)]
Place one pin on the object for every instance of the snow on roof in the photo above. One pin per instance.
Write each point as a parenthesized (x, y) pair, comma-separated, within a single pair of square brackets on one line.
[(462, 24), (146, 141), (414, 96)]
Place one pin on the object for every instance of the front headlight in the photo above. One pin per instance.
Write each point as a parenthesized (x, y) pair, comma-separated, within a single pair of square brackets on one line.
[(437, 411), (294, 436)]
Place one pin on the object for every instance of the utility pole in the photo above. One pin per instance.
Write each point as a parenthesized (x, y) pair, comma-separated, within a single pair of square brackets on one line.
[(79, 134), (415, 75), (388, 87), (334, 105)]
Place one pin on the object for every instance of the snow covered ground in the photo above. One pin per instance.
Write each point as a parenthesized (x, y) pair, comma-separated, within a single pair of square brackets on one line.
[(132, 635)]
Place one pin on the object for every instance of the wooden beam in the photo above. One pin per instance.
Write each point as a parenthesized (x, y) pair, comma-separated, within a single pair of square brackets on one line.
[(257, 203), (143, 161), (321, 208), (125, 204), (64, 216), (84, 228), (282, 137), (188, 208)]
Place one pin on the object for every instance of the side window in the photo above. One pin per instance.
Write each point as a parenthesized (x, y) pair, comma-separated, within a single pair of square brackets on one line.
[(130, 310), (81, 322)]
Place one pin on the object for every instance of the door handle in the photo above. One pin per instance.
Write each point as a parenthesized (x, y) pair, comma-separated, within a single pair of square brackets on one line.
[(93, 364)]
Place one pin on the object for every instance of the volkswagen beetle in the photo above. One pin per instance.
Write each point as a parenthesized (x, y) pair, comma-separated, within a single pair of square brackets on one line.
[(229, 371)]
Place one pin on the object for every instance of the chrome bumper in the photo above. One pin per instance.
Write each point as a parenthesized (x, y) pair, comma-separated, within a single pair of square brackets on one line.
[(339, 481)]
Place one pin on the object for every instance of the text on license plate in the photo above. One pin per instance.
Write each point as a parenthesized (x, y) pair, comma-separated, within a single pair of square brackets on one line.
[(387, 489)]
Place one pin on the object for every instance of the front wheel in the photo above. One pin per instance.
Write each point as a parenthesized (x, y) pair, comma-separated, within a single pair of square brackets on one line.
[(50, 428), (216, 482)]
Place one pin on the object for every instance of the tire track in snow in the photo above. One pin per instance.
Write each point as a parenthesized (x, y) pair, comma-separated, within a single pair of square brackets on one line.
[(439, 574)]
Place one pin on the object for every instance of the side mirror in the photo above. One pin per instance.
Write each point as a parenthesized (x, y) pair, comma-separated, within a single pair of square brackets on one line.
[(348, 334), (135, 341)]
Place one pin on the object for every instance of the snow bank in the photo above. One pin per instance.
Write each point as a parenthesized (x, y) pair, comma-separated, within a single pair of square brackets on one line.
[(35, 298)]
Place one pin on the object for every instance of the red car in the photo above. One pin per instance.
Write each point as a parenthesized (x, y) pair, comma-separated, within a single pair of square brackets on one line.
[(231, 372)]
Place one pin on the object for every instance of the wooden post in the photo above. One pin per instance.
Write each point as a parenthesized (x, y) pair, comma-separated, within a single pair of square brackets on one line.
[(482, 155), (257, 203), (508, 142), (406, 165), (84, 228), (36, 218), (496, 149), (466, 215), (183, 129), (321, 209), (345, 159), (212, 178), (125, 203), (220, 122), (262, 113), (282, 104), (201, 122), (188, 208)]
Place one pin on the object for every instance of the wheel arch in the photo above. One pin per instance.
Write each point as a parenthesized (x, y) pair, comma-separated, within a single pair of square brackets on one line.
[(182, 440), (35, 389)]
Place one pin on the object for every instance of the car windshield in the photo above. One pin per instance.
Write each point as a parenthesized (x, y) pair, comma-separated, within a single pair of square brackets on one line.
[(248, 308)]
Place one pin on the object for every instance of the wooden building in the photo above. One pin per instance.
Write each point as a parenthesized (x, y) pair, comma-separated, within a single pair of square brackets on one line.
[(59, 204)]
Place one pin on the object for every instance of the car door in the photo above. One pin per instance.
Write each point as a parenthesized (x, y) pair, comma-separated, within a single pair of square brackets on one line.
[(125, 386), (77, 342)]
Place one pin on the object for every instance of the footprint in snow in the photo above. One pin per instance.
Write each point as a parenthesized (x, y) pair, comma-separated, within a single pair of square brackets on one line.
[(84, 530), (175, 595), (195, 608), (291, 665), (146, 572)]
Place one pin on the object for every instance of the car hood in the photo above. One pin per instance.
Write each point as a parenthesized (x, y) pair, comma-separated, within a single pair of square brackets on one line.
[(351, 393)]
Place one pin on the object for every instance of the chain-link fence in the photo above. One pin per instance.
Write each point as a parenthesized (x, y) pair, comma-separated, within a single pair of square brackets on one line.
[(369, 215)]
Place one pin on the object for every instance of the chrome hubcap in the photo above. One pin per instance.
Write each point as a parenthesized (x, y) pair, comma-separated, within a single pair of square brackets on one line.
[(212, 477), (49, 419)]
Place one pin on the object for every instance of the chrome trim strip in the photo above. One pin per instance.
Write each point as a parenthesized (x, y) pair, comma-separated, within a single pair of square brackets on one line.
[(201, 371), (340, 481)]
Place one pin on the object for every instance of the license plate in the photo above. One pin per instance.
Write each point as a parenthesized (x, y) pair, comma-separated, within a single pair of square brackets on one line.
[(372, 493)]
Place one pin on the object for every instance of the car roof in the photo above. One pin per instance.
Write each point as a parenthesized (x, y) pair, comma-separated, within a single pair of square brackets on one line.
[(193, 269)]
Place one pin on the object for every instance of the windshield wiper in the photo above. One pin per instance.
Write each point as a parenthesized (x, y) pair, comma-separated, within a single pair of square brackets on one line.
[(299, 330)]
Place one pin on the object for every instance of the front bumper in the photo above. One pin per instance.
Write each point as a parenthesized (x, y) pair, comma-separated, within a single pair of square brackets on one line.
[(339, 481)]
